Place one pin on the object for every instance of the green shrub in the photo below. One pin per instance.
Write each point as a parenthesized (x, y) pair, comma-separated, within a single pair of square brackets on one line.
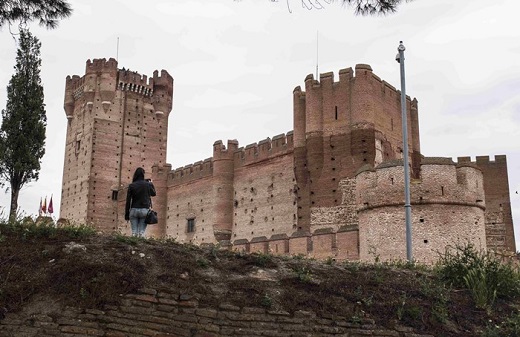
[(262, 260), (484, 274)]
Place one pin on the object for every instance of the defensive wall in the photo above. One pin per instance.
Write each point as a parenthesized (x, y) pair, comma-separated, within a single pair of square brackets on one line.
[(238, 193)]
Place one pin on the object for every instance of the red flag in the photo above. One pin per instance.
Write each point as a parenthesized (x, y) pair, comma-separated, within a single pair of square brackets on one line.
[(50, 209), (44, 206)]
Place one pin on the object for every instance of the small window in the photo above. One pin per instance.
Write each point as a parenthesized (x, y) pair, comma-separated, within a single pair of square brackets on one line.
[(191, 226), (114, 195)]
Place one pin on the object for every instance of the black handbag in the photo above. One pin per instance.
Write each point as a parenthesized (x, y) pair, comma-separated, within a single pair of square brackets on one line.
[(151, 217)]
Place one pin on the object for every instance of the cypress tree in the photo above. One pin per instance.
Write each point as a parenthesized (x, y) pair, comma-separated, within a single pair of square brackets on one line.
[(22, 133)]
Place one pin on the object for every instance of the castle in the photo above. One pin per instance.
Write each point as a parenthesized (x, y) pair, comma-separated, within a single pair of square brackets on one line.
[(332, 187)]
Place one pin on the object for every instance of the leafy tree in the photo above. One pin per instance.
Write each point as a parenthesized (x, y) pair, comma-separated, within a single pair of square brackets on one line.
[(47, 12), (22, 133)]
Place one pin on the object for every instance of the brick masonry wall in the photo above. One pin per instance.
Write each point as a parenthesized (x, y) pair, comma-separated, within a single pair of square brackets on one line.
[(447, 209), (264, 199), (160, 314), (499, 220), (194, 200), (382, 231), (342, 215)]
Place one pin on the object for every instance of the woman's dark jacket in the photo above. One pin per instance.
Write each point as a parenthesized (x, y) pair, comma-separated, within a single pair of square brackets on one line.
[(138, 196)]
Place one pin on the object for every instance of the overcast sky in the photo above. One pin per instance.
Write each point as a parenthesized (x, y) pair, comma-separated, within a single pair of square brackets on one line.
[(236, 63)]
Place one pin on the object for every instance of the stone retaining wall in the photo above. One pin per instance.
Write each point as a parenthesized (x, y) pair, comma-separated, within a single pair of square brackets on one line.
[(160, 314)]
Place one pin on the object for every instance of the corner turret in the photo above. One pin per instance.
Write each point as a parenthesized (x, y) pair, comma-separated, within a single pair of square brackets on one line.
[(162, 93)]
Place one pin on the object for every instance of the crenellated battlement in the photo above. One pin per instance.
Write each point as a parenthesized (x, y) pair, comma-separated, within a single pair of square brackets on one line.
[(441, 182), (100, 65), (346, 76), (133, 81), (103, 78), (498, 159), (191, 172), (265, 149), (165, 79)]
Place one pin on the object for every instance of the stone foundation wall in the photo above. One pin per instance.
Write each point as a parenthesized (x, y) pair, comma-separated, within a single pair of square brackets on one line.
[(161, 314)]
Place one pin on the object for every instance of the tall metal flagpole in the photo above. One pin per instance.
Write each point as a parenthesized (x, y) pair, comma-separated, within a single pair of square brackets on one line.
[(407, 206)]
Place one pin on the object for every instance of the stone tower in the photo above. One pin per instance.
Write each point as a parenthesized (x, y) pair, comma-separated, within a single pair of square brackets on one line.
[(117, 121)]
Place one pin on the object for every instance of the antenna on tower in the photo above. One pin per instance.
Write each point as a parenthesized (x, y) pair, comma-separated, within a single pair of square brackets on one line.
[(317, 60), (117, 50)]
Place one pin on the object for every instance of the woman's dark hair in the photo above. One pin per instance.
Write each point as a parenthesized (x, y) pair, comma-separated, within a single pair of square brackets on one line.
[(138, 174)]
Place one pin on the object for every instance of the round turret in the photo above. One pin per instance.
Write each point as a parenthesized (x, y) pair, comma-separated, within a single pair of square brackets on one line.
[(447, 209)]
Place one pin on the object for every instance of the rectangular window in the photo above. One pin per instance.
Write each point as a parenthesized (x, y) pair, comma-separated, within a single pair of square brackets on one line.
[(114, 195), (191, 226)]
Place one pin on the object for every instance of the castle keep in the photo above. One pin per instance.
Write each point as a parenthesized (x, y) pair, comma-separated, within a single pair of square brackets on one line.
[(332, 187)]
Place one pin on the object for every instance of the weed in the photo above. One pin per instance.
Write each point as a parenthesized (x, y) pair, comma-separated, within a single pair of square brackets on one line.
[(437, 292), (368, 300), (202, 262), (214, 250), (483, 291), (78, 232), (353, 266), (262, 260), (26, 229), (266, 302), (330, 261), (358, 292), (510, 327), (130, 240), (401, 306), (303, 273), (83, 293)]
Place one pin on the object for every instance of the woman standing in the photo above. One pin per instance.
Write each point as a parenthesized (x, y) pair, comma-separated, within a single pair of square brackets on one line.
[(138, 202)]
